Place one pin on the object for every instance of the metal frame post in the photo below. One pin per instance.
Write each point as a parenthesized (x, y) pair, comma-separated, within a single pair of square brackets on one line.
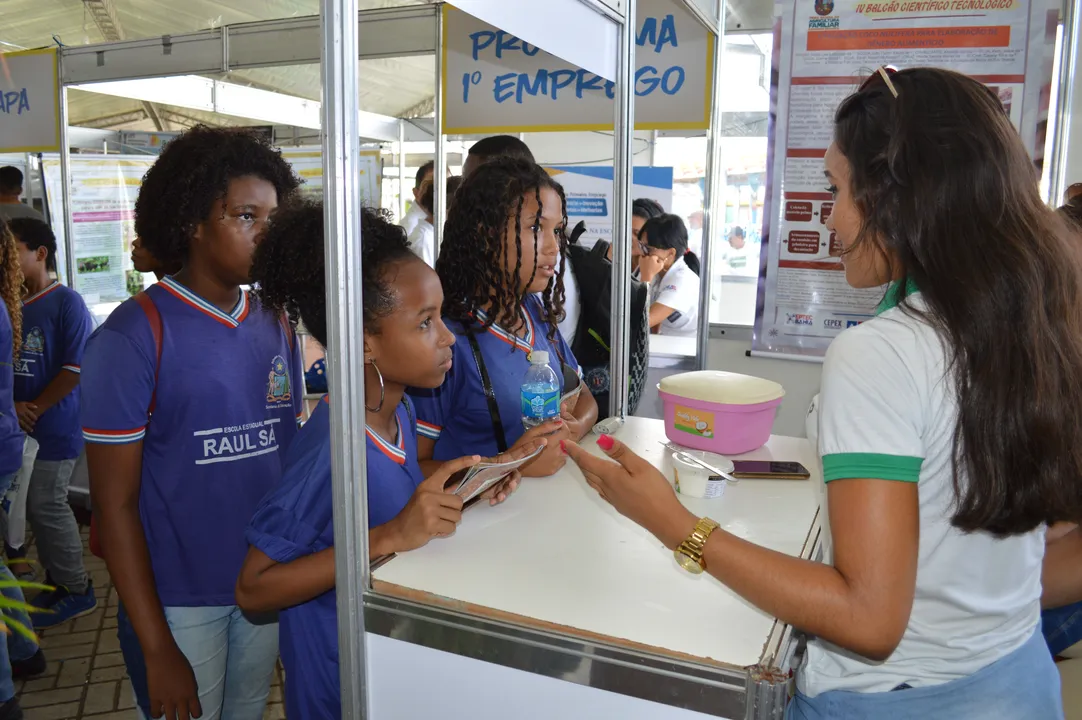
[(624, 155), (401, 169), (65, 176), (345, 351), (439, 170), (28, 181), (1068, 66), (713, 189)]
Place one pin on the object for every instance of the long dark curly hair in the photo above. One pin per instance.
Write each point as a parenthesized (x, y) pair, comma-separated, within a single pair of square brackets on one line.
[(191, 175), (11, 285), (289, 265), (474, 256), (947, 193)]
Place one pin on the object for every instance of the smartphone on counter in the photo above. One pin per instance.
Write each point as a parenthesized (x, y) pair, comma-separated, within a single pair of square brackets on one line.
[(769, 470)]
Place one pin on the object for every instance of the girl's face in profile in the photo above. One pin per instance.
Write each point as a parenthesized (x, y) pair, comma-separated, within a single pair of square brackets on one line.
[(866, 265), (412, 346), (538, 266)]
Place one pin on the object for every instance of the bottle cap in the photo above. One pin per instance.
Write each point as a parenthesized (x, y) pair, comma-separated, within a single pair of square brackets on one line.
[(539, 357)]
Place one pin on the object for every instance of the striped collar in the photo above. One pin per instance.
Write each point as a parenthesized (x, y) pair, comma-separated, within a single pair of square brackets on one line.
[(397, 453), (525, 344), (42, 293), (186, 296)]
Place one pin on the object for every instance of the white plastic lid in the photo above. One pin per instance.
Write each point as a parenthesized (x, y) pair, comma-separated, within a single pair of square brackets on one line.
[(722, 387), (539, 357)]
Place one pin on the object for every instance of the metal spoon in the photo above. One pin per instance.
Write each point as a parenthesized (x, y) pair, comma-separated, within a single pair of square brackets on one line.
[(688, 457)]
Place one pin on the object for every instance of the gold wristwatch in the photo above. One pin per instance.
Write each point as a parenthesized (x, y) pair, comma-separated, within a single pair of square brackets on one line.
[(690, 552)]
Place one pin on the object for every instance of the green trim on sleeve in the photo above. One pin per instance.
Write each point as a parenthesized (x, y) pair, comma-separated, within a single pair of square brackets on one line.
[(844, 466)]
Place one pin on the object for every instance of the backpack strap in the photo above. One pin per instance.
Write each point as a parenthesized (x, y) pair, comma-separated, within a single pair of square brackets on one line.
[(154, 318), (490, 393)]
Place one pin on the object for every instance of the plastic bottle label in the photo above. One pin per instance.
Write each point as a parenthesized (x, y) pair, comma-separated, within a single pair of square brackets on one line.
[(538, 405)]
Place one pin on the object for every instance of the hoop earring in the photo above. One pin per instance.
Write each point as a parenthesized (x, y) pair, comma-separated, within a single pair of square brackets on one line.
[(382, 390)]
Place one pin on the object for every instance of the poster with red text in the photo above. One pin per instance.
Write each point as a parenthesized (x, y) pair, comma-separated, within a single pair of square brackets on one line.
[(827, 48)]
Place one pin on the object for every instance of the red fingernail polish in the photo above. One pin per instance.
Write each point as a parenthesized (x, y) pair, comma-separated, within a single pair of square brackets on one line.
[(605, 442), (563, 446)]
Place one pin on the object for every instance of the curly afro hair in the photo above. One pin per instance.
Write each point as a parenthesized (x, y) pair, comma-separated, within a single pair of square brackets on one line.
[(289, 265), (191, 175), (473, 257)]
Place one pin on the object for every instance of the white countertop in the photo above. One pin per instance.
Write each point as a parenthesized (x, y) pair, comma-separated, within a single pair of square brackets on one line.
[(555, 554)]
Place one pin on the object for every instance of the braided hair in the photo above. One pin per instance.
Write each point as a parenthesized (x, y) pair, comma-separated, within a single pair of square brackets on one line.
[(11, 285), (473, 261), (289, 265)]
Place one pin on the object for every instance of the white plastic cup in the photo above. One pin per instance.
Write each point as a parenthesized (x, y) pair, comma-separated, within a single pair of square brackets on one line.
[(696, 481)]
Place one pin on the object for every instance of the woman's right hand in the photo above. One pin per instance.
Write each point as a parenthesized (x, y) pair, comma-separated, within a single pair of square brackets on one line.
[(432, 511), (551, 459), (171, 685)]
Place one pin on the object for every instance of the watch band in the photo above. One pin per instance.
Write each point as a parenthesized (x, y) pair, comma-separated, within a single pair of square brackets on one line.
[(692, 548)]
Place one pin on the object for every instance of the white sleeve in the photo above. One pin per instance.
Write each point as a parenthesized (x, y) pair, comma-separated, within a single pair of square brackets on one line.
[(870, 407), (679, 291)]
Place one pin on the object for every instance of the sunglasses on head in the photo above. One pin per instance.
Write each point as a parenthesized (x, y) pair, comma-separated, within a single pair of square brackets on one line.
[(883, 75)]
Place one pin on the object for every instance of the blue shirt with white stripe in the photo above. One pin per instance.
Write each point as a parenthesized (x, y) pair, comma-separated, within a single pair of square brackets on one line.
[(297, 519), (56, 325), (226, 406), (456, 414)]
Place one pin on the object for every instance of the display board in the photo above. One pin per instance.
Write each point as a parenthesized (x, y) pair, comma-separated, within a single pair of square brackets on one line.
[(29, 113), (494, 82), (589, 193), (103, 193), (307, 161), (830, 46)]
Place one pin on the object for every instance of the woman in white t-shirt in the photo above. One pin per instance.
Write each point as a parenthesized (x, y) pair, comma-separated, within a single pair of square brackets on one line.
[(948, 425), (672, 271)]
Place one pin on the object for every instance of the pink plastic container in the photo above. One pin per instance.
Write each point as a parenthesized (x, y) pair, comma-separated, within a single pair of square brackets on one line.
[(719, 412)]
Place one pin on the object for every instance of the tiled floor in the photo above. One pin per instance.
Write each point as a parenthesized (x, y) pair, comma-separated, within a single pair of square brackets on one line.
[(86, 676)]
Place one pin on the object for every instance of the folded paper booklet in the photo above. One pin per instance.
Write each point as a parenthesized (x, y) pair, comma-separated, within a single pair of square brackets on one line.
[(470, 483), (571, 380)]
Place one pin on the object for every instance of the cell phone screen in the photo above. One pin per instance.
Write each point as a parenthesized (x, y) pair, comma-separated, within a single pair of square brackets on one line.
[(769, 468)]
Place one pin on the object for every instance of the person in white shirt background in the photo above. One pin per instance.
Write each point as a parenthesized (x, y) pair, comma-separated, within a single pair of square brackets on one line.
[(416, 213), (422, 239), (672, 270), (948, 425)]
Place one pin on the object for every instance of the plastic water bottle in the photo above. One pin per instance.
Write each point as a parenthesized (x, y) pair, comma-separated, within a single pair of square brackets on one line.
[(540, 391)]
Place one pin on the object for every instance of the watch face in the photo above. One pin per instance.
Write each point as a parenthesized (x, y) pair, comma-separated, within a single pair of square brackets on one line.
[(688, 563)]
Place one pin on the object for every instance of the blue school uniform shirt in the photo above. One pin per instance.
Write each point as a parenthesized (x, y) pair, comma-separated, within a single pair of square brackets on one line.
[(456, 414), (56, 325), (297, 520), (11, 437), (226, 405)]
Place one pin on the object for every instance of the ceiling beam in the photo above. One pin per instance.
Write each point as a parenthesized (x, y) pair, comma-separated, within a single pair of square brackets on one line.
[(422, 109), (111, 121), (104, 15)]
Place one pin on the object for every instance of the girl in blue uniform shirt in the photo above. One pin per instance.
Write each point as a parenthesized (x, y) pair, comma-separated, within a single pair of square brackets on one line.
[(501, 269), (56, 325), (173, 491), (290, 565), (19, 655)]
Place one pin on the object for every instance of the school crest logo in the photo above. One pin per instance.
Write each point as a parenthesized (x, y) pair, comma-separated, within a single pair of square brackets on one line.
[(278, 390), (35, 341), (824, 7)]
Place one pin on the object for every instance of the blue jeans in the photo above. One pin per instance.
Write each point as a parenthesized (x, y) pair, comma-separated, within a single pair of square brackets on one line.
[(1024, 685), (16, 647), (1062, 627), (232, 658)]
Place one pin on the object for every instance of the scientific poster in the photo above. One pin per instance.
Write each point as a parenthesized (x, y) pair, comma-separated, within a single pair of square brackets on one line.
[(588, 189), (103, 193), (827, 48), (307, 162)]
